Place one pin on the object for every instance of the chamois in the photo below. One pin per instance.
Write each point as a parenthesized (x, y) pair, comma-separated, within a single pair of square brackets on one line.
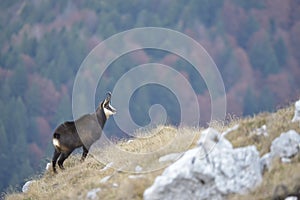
[(66, 137)]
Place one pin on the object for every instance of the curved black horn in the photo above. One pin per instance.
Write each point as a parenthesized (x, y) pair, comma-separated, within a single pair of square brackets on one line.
[(108, 96)]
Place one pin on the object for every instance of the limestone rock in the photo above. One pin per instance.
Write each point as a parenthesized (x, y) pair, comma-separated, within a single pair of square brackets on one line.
[(286, 145), (93, 193), (297, 112), (26, 186), (210, 171)]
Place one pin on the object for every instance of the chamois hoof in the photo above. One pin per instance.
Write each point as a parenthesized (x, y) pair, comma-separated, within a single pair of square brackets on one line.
[(61, 167), (54, 170)]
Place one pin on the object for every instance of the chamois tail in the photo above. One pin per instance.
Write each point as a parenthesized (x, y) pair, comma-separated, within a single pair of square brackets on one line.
[(55, 140)]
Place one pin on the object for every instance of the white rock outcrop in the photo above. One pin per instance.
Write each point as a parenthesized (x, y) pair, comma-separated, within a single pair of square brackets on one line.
[(210, 171), (48, 166), (138, 169), (93, 194), (261, 131), (297, 112), (291, 198), (285, 146), (26, 186)]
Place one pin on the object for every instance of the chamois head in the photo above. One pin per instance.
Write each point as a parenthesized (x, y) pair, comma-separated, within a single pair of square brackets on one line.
[(108, 109)]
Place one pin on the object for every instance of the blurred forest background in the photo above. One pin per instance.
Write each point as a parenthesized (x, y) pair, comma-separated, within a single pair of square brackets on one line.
[(255, 44)]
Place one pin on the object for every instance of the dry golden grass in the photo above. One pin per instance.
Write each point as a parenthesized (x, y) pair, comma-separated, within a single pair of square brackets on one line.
[(276, 123), (79, 178)]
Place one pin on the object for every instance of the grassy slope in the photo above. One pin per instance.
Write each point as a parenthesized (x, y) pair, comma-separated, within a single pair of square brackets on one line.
[(79, 178)]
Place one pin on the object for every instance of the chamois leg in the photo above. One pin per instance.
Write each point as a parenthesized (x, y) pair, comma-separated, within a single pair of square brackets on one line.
[(62, 158), (84, 153), (54, 159)]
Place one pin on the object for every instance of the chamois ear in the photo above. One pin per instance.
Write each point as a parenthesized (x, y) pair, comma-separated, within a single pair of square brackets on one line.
[(108, 96)]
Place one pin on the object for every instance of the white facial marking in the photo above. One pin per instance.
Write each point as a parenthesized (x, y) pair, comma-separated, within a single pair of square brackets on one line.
[(108, 112)]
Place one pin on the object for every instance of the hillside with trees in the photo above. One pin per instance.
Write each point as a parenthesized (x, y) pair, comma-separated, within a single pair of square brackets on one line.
[(255, 45)]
